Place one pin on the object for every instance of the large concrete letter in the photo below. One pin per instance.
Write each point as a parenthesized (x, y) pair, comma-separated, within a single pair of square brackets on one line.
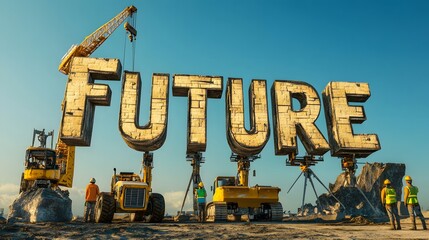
[(151, 136), (197, 88), (340, 115), (242, 141), (289, 123), (82, 95)]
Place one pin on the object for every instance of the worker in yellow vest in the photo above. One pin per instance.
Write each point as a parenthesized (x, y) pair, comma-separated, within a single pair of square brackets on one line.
[(412, 203), (388, 199)]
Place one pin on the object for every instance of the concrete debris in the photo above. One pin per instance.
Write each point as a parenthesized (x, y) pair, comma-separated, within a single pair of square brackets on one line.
[(2, 219), (41, 205), (360, 220), (368, 184)]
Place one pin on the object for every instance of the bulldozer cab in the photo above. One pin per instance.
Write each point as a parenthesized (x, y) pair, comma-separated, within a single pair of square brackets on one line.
[(124, 176), (223, 181), (40, 158)]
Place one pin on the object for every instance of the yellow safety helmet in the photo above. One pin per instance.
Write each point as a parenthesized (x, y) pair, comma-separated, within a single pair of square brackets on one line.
[(387, 182), (408, 178), (201, 184), (92, 180)]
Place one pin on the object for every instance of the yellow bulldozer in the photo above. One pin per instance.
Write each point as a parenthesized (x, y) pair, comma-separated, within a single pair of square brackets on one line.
[(131, 194), (233, 196), (47, 167)]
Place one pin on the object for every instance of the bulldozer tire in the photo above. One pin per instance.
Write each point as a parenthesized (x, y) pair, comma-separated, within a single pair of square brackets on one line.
[(156, 208), (137, 217), (104, 208)]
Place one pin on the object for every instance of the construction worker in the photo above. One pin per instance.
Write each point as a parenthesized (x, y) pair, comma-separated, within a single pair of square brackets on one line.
[(201, 195), (91, 194), (412, 203), (388, 199)]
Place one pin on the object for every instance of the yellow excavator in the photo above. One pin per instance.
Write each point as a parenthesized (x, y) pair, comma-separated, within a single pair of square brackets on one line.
[(47, 167), (131, 194), (232, 195)]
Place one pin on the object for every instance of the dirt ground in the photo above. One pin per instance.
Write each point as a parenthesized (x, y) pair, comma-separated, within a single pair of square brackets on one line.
[(234, 230)]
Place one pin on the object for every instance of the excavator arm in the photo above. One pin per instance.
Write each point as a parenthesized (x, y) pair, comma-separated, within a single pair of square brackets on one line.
[(94, 40), (65, 160)]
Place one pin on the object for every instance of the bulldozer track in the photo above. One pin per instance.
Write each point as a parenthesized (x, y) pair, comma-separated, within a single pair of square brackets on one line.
[(216, 212), (276, 212)]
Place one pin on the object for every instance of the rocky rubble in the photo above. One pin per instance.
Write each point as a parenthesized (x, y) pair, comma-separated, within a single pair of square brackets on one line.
[(370, 183), (41, 205)]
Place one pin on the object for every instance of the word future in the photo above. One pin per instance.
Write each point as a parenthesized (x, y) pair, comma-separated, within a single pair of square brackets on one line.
[(82, 95)]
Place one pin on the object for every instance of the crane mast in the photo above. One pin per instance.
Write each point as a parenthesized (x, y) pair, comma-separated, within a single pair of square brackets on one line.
[(95, 39)]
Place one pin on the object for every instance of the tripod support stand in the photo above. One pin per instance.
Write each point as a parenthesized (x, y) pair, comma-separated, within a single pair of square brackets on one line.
[(304, 163), (196, 160)]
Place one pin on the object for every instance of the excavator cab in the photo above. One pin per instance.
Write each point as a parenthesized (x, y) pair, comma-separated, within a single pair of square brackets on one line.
[(41, 167), (40, 158)]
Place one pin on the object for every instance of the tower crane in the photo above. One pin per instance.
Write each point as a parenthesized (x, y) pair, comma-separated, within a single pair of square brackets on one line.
[(95, 39)]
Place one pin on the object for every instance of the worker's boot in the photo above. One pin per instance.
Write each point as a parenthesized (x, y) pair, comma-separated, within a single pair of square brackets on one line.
[(413, 221), (424, 225)]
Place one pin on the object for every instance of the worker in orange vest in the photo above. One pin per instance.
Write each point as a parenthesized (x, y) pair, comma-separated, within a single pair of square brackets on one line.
[(91, 194), (388, 199), (412, 203)]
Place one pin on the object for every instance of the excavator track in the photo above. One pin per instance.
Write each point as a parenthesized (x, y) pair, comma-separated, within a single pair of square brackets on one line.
[(276, 212), (216, 211)]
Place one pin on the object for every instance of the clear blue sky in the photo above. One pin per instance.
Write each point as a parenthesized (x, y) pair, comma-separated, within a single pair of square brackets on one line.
[(383, 43)]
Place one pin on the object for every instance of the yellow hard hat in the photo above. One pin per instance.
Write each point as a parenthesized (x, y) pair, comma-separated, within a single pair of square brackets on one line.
[(92, 180), (201, 184), (408, 178), (387, 181)]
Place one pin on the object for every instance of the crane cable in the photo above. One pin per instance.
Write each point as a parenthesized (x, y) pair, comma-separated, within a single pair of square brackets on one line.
[(134, 41), (133, 44), (125, 48)]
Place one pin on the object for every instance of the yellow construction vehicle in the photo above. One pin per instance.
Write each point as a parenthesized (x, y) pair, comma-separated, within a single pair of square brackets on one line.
[(47, 167), (131, 194), (95, 39), (232, 195)]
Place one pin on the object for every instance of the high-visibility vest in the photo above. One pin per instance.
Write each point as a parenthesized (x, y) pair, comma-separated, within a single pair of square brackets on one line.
[(412, 195), (390, 195), (201, 195)]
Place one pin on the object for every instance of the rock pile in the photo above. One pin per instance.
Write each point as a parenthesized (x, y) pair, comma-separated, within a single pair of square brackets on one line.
[(41, 205), (368, 184)]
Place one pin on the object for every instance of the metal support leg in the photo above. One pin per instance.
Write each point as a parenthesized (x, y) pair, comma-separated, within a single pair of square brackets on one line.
[(303, 195), (295, 182), (328, 190), (186, 194), (315, 193), (363, 194)]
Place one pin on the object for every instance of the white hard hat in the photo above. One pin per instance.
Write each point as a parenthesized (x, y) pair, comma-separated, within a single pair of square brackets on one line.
[(92, 180)]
